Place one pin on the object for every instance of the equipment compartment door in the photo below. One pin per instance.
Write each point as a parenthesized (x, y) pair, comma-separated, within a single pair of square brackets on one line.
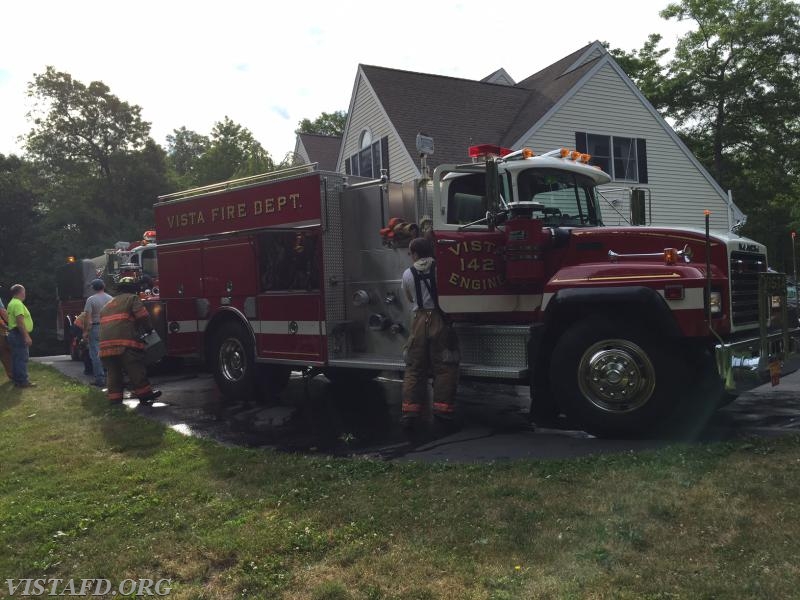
[(291, 321), (180, 285)]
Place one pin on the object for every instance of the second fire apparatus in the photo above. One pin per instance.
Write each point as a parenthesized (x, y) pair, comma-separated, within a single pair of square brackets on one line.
[(613, 326)]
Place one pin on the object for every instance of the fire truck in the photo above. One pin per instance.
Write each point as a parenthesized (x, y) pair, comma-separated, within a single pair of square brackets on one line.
[(74, 278), (73, 286), (615, 327)]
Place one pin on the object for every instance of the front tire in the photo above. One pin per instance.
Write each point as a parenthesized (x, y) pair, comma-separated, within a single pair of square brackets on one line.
[(613, 380), (233, 361)]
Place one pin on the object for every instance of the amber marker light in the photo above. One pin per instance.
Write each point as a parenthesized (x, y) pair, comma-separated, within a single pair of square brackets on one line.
[(70, 259), (527, 153), (564, 152), (670, 256)]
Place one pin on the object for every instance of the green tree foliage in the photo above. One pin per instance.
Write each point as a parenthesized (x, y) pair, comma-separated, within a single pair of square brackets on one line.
[(325, 124), (230, 151), (80, 126), (184, 149)]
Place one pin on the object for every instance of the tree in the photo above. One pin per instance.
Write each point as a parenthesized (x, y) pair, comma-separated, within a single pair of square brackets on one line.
[(184, 149), (76, 125), (232, 152), (325, 124), (735, 79)]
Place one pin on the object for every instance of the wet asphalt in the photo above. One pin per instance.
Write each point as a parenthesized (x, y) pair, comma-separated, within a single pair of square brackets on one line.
[(313, 415)]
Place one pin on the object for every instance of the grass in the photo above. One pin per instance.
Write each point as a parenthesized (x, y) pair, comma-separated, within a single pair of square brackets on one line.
[(92, 491)]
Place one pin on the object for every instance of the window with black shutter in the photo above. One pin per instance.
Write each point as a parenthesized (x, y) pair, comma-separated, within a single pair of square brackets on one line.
[(623, 158)]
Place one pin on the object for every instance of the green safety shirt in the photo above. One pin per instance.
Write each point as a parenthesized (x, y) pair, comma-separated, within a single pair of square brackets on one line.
[(16, 308)]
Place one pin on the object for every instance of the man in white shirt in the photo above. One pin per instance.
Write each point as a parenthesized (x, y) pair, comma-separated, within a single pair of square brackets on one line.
[(94, 304)]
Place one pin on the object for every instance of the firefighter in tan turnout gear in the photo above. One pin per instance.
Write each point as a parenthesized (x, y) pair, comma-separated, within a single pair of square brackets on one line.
[(122, 321), (432, 347)]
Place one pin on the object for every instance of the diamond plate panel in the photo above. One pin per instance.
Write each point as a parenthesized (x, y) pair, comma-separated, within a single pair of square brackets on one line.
[(494, 346)]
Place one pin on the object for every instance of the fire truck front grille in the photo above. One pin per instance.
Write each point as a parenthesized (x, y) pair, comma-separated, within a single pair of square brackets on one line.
[(744, 269)]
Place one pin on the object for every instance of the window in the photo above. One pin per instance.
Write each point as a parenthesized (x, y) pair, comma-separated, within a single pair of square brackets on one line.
[(150, 262), (288, 261), (466, 199), (624, 158), (567, 198), (370, 159)]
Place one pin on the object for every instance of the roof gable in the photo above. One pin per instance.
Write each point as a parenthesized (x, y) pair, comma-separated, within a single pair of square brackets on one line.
[(321, 149), (455, 112)]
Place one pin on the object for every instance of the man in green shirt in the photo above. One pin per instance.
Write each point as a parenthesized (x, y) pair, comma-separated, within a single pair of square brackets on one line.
[(20, 326)]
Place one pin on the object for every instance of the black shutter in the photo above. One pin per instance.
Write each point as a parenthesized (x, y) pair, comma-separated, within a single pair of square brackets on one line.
[(385, 154), (580, 141), (347, 166), (641, 159)]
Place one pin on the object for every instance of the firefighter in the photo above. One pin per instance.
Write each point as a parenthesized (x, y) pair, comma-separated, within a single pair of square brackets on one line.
[(432, 345), (122, 321)]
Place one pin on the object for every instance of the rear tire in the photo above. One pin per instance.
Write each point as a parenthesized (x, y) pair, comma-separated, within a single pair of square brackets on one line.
[(613, 380), (232, 361)]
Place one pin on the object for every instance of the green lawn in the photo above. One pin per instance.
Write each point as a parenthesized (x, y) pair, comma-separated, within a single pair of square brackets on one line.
[(91, 491)]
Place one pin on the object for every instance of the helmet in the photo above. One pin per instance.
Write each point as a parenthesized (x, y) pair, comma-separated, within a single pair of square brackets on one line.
[(128, 284)]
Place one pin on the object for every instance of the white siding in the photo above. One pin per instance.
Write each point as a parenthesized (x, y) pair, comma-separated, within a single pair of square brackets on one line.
[(300, 153), (368, 112), (605, 105)]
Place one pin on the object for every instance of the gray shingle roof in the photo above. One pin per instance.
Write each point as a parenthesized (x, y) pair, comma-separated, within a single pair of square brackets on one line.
[(458, 113), (322, 149)]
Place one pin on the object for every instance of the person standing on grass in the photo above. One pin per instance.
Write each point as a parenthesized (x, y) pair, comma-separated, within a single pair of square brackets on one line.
[(94, 304), (20, 327), (122, 321), (5, 349)]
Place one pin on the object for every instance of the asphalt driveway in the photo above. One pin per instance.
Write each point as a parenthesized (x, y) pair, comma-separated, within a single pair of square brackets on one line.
[(314, 415)]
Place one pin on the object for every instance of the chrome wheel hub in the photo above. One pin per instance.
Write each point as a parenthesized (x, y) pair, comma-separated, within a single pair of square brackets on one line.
[(616, 376), (232, 360)]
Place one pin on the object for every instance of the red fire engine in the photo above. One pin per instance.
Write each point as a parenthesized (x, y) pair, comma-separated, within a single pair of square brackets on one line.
[(74, 278), (613, 326)]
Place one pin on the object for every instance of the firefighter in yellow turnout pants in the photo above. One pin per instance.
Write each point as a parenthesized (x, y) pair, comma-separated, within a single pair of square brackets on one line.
[(432, 346), (122, 321)]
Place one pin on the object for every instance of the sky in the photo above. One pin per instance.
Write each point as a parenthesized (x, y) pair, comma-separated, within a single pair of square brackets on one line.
[(267, 66)]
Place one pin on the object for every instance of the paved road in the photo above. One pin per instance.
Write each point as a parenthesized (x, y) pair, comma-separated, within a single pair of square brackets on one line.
[(317, 416)]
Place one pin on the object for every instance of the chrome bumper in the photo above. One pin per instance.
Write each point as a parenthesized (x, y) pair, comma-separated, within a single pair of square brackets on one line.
[(744, 364)]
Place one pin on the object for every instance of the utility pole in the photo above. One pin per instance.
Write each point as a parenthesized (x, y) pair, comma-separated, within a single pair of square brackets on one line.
[(794, 257)]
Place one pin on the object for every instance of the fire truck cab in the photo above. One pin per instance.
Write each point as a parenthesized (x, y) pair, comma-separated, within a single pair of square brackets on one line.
[(614, 326)]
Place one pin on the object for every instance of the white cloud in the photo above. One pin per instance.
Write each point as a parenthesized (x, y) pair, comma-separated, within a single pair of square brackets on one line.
[(269, 66)]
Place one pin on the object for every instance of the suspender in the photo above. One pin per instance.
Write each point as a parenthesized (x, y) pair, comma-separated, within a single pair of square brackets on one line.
[(429, 279)]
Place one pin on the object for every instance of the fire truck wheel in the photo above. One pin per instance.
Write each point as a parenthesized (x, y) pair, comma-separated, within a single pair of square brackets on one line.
[(232, 362), (271, 381), (612, 380)]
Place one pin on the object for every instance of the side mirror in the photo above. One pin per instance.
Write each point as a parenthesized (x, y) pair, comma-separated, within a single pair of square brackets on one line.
[(638, 207)]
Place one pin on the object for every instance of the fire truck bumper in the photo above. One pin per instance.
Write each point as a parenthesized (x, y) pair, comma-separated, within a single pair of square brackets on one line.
[(747, 363)]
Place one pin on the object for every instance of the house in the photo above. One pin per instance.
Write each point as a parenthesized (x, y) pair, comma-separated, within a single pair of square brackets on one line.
[(320, 149), (584, 101)]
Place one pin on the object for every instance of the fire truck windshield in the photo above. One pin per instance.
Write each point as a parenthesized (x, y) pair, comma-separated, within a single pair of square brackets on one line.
[(568, 198)]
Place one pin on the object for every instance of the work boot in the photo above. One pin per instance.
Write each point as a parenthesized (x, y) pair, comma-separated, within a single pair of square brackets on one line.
[(148, 398)]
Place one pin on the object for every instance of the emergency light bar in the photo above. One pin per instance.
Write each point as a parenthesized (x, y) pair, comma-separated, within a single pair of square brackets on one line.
[(483, 150)]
